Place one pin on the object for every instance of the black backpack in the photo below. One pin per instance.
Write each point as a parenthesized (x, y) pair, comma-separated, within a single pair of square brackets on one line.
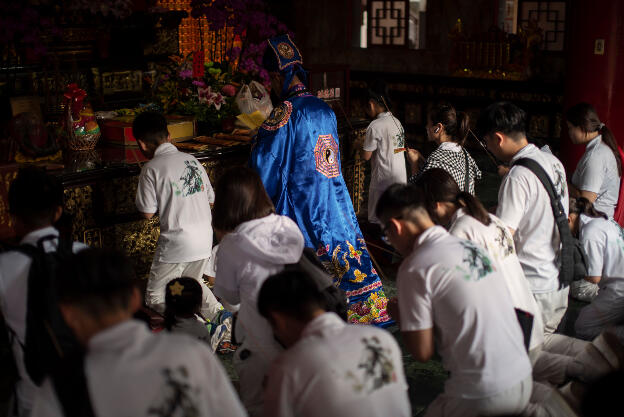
[(50, 347), (48, 338), (573, 257)]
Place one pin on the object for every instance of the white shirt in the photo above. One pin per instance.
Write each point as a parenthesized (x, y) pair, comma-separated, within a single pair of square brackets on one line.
[(524, 206), (597, 172), (176, 185), (385, 137), (498, 242), (603, 241), (451, 285), (250, 254), (133, 372), (337, 369), (14, 270)]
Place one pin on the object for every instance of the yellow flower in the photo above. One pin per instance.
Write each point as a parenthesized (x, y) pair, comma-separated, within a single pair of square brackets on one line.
[(359, 276)]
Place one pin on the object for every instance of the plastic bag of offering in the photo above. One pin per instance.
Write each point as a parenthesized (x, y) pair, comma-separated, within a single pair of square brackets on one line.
[(254, 97)]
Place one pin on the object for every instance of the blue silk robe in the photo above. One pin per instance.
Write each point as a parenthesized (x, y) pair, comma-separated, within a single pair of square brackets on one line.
[(297, 156)]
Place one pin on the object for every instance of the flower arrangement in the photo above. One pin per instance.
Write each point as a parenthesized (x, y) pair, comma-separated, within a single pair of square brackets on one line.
[(206, 91)]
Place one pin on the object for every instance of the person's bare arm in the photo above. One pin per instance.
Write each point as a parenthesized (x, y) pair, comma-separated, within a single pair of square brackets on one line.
[(593, 280), (419, 343), (415, 160), (147, 215), (367, 155), (588, 195)]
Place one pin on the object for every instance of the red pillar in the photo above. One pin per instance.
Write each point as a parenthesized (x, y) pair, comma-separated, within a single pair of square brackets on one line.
[(596, 79)]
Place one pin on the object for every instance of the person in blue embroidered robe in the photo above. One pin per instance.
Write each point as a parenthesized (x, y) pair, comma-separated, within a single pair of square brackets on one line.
[(297, 155)]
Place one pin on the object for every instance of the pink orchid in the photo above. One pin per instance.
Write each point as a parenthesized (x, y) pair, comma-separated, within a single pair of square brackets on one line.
[(204, 94), (217, 100)]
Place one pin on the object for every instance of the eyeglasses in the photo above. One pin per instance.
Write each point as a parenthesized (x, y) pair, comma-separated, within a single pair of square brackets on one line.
[(384, 230)]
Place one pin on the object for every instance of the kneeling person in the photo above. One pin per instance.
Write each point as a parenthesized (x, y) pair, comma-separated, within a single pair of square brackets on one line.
[(330, 366), (450, 287), (130, 371)]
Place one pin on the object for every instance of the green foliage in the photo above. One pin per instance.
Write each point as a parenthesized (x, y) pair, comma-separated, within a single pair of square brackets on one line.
[(205, 91)]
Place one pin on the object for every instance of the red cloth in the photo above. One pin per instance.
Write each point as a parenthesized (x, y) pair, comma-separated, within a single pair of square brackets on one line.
[(619, 207)]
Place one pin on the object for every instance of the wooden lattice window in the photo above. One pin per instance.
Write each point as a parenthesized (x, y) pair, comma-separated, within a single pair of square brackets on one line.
[(388, 22), (550, 17)]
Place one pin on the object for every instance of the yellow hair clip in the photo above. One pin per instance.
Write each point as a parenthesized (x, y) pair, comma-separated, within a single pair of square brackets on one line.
[(176, 288)]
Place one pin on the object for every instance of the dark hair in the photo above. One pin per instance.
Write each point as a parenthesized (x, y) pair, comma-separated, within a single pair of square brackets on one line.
[(34, 196), (437, 185), (99, 281), (502, 117), (582, 205), (150, 127), (585, 117), (456, 124), (335, 299), (399, 198), (183, 298), (378, 92), (293, 292), (239, 197)]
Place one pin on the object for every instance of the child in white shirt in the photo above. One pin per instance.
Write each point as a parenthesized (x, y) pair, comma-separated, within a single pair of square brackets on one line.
[(465, 217), (254, 244), (451, 287), (603, 240), (128, 370), (36, 203), (330, 368), (384, 146), (175, 186), (524, 206), (183, 302)]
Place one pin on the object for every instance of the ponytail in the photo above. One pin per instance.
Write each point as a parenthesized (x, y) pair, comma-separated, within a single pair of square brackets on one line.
[(473, 207), (463, 126), (585, 117), (583, 206), (170, 319), (609, 140), (456, 124), (437, 185)]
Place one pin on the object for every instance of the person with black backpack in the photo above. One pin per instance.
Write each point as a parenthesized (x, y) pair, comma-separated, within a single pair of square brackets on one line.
[(39, 337), (525, 206)]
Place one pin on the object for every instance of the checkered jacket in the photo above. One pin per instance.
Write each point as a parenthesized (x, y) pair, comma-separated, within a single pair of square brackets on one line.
[(455, 164)]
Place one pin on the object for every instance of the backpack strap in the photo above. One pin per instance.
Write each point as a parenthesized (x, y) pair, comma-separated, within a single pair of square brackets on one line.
[(566, 270), (466, 181)]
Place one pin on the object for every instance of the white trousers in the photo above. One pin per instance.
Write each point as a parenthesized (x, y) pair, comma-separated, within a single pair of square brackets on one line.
[(553, 306), (160, 275), (554, 362), (606, 309), (512, 401)]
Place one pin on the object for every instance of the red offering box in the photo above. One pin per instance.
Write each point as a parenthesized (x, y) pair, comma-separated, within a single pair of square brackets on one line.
[(118, 131)]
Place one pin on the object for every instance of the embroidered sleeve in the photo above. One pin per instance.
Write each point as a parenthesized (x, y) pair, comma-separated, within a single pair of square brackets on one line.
[(279, 117)]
